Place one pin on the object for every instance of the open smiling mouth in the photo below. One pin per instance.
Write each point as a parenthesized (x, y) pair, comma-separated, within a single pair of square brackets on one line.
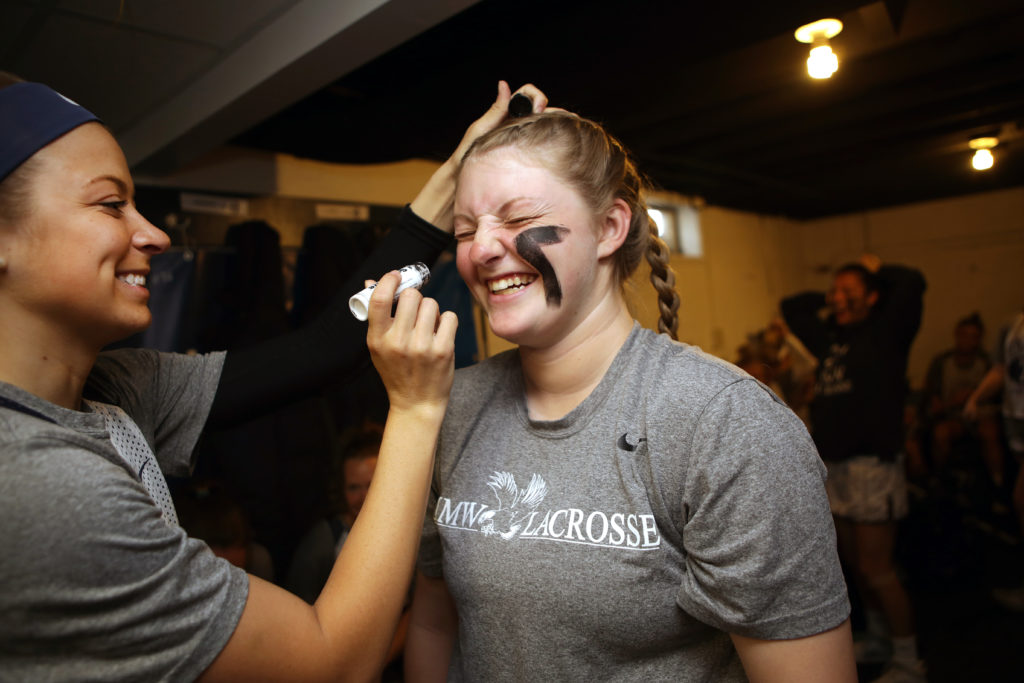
[(132, 279), (511, 283)]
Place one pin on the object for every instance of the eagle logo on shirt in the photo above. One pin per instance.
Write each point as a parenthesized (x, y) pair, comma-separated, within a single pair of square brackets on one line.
[(514, 505)]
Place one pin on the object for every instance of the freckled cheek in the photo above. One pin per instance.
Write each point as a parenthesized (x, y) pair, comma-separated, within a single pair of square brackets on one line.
[(462, 261), (467, 268)]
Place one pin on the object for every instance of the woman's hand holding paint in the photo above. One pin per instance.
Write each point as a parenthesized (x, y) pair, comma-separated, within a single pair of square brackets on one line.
[(434, 202), (414, 351)]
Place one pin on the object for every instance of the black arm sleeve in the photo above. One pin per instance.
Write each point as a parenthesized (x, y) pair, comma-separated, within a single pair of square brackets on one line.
[(333, 346), (901, 303), (800, 312)]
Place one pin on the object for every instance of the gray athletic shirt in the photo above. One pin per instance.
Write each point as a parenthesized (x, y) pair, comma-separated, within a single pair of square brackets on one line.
[(94, 584), (680, 502)]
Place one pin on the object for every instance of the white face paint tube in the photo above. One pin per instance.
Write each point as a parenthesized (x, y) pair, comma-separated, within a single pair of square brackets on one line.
[(415, 275)]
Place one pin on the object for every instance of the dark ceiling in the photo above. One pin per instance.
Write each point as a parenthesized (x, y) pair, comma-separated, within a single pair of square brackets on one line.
[(712, 97)]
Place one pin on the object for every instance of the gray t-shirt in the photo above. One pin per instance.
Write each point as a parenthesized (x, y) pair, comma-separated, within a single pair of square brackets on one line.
[(94, 584), (680, 502)]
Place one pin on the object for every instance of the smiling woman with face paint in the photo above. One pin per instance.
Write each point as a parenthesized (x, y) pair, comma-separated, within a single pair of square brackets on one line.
[(608, 503), (97, 579)]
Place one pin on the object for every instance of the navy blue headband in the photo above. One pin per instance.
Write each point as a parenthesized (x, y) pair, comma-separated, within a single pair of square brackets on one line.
[(31, 117)]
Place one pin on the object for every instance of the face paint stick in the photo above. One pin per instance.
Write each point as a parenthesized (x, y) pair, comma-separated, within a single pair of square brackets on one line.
[(414, 275), (528, 244), (520, 105)]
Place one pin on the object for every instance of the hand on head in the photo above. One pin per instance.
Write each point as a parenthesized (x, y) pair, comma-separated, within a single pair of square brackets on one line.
[(497, 113), (413, 351), (870, 261), (434, 201)]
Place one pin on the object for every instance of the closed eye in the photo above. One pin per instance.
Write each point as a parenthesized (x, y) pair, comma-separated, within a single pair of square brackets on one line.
[(521, 220), (115, 206)]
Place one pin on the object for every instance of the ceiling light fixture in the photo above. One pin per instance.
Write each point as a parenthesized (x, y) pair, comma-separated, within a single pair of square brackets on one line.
[(983, 159), (823, 62)]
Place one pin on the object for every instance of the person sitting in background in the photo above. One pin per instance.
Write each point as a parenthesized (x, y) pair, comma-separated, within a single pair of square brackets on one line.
[(777, 358), (315, 554), (756, 361), (952, 377), (208, 512), (1007, 373)]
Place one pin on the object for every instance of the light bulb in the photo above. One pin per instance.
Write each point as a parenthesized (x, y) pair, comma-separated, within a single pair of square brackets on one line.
[(822, 63), (982, 160)]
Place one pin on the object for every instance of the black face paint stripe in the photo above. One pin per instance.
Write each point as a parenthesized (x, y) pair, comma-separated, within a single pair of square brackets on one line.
[(528, 244)]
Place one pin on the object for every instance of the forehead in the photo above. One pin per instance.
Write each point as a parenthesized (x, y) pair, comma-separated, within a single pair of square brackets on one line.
[(848, 281), (499, 161), (504, 171), (80, 156), (361, 460), (506, 183)]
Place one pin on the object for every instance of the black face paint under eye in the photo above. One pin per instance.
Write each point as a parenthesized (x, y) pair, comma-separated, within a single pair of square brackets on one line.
[(528, 244)]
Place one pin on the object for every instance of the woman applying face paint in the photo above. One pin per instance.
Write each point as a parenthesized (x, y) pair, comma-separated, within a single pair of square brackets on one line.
[(608, 503), (97, 580)]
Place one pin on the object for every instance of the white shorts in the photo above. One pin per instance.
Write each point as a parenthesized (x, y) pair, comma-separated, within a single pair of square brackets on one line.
[(867, 489)]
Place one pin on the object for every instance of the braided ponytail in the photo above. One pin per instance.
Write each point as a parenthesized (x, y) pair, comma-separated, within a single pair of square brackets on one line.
[(664, 280)]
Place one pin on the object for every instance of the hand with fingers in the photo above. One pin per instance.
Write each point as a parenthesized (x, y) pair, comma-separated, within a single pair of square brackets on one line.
[(870, 261), (414, 350), (498, 112), (434, 201)]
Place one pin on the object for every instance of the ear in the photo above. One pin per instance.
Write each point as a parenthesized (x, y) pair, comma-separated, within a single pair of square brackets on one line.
[(614, 228), (872, 299)]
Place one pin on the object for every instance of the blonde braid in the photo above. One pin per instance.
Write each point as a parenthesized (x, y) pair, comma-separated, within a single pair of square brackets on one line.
[(664, 281)]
